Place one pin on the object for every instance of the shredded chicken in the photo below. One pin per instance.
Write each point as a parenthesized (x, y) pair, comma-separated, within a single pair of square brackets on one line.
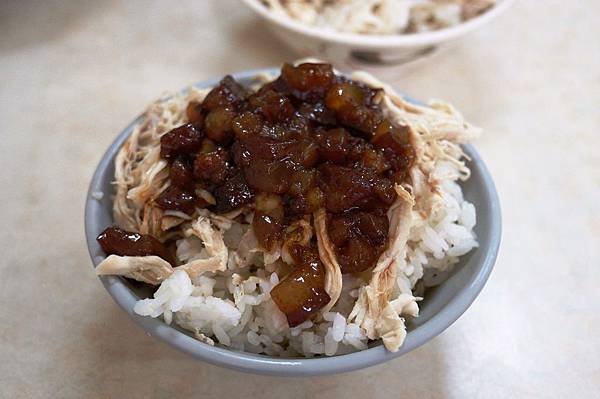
[(123, 212), (198, 267), (168, 222), (212, 239), (206, 196), (152, 221), (300, 232), (153, 182), (390, 328), (373, 310), (214, 246), (140, 173), (149, 269), (222, 221), (333, 273)]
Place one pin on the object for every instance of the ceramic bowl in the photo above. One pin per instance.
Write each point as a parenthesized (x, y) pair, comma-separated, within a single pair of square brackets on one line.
[(362, 50), (441, 307)]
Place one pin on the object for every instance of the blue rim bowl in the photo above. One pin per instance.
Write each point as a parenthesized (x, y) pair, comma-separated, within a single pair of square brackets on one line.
[(442, 306)]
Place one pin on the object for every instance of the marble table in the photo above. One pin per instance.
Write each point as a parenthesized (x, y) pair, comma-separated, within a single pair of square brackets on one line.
[(74, 73)]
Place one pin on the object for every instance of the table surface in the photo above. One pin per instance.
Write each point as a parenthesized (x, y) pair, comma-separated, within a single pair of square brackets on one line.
[(73, 74)]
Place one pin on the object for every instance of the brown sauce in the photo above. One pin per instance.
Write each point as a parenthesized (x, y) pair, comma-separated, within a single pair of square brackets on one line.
[(310, 139)]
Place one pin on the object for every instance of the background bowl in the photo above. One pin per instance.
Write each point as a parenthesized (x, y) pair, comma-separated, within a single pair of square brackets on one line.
[(352, 49), (441, 307)]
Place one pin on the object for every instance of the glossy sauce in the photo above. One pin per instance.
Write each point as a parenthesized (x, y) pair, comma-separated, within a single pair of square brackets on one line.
[(116, 241), (302, 292), (307, 140)]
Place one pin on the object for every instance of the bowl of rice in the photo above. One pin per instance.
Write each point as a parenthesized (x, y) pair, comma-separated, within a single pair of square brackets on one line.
[(373, 32), (202, 282)]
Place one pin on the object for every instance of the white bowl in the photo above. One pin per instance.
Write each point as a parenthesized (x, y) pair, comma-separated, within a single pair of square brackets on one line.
[(351, 48)]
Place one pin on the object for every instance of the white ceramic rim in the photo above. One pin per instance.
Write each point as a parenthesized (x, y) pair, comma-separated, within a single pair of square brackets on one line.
[(290, 367), (380, 41)]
